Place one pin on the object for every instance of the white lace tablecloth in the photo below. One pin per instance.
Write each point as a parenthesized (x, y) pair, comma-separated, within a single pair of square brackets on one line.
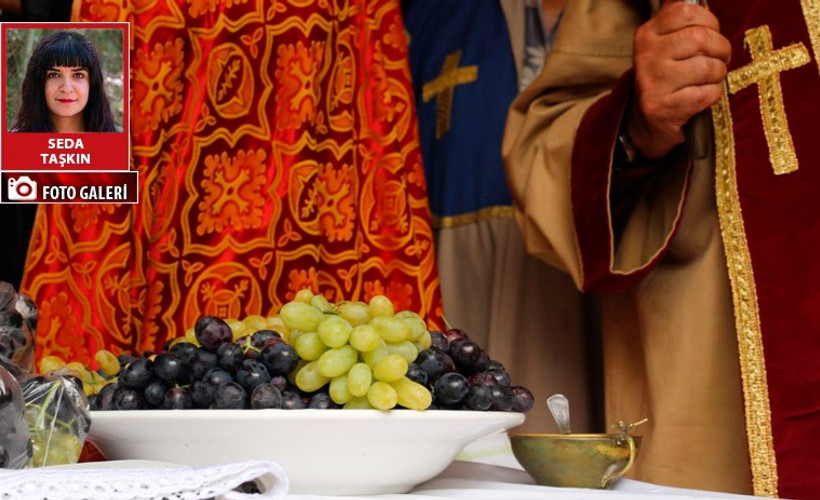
[(136, 480)]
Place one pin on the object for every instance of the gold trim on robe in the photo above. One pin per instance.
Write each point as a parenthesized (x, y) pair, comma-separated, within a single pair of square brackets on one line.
[(470, 217), (744, 297)]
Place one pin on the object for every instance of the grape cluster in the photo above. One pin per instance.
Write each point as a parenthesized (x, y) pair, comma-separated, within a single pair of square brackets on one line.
[(313, 355), (58, 418), (360, 351), (462, 376), (92, 380), (224, 369), (43, 419)]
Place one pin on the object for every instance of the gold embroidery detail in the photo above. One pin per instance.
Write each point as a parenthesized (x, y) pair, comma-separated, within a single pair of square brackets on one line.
[(764, 70), (470, 217), (811, 13), (442, 87), (744, 297)]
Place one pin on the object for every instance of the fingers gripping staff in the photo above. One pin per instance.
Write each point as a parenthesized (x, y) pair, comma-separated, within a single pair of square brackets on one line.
[(680, 60)]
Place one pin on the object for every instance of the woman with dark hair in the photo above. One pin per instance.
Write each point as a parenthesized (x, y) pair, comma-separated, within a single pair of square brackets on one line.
[(63, 88)]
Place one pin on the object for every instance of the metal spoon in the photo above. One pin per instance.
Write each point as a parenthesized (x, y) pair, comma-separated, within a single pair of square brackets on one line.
[(559, 407)]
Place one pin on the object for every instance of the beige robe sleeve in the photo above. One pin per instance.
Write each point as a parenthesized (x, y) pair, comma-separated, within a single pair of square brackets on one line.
[(593, 49)]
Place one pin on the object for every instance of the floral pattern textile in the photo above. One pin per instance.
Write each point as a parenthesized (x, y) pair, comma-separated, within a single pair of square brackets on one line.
[(277, 149)]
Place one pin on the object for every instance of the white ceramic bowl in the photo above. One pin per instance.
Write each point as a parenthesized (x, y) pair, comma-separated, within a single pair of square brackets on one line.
[(324, 452)]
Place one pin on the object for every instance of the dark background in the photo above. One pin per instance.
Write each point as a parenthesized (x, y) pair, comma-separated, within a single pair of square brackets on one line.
[(16, 220)]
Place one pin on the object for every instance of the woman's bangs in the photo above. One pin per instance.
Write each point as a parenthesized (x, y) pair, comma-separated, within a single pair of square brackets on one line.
[(68, 52)]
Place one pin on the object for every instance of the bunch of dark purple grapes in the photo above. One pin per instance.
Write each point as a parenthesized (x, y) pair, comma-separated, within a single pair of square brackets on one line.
[(461, 376), (220, 373)]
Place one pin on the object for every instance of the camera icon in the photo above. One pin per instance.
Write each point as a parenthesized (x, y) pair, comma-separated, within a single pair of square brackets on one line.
[(22, 188)]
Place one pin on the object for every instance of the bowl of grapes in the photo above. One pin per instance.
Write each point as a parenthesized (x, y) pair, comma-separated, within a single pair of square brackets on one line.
[(349, 398)]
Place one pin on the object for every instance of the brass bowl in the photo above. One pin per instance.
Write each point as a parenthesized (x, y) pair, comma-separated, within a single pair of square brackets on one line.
[(575, 460)]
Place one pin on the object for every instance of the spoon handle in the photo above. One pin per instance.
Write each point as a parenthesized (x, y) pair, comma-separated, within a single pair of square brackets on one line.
[(559, 407)]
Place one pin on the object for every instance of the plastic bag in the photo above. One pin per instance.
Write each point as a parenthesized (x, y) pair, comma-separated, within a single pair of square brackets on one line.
[(15, 442), (58, 417), (18, 322), (48, 414)]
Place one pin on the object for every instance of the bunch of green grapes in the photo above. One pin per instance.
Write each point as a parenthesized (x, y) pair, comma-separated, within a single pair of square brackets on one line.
[(362, 350), (93, 380), (57, 416), (54, 444)]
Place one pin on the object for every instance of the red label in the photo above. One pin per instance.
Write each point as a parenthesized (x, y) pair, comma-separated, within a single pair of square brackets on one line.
[(69, 187), (49, 152)]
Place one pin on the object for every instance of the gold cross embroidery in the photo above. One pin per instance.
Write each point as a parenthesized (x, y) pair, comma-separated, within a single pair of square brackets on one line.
[(442, 87), (764, 70)]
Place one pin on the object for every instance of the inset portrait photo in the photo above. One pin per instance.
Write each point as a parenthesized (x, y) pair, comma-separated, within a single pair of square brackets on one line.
[(65, 105), (64, 80)]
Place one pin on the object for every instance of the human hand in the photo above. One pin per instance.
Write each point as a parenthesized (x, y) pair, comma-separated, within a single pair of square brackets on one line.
[(680, 60)]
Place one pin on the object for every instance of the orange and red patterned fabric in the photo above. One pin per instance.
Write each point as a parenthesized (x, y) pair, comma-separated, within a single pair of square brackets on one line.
[(277, 149)]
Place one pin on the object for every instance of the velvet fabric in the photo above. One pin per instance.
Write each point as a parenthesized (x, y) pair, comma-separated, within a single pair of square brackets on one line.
[(782, 222), (779, 215), (594, 211)]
